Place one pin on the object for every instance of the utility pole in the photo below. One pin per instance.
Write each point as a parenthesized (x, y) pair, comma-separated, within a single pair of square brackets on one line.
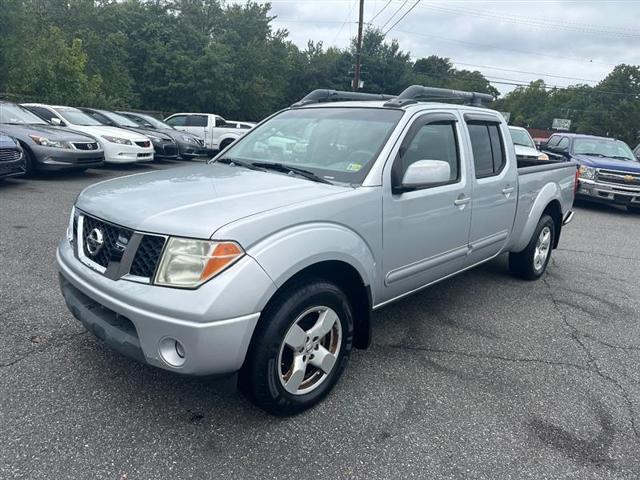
[(356, 72)]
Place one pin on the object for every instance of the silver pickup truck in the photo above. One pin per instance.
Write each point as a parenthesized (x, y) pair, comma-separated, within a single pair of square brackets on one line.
[(269, 261)]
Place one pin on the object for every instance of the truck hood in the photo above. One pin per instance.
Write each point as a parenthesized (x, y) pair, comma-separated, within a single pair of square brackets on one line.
[(195, 201), (52, 133), (608, 163)]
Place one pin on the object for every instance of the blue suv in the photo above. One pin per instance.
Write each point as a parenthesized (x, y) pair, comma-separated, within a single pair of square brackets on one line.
[(609, 171)]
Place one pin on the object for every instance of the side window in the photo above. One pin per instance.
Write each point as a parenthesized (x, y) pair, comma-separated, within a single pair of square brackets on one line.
[(564, 142), (177, 121), (433, 141), (42, 113), (488, 149), (197, 121)]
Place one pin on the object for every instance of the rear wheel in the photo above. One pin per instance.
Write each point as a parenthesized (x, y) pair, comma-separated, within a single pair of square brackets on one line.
[(532, 262), (226, 143), (299, 349)]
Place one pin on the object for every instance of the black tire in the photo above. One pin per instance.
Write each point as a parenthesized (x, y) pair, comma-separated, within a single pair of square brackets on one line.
[(523, 264), (261, 378), (225, 144), (633, 209), (30, 162)]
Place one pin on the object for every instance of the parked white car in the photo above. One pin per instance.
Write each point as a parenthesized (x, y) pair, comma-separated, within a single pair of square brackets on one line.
[(119, 145), (525, 148), (216, 132)]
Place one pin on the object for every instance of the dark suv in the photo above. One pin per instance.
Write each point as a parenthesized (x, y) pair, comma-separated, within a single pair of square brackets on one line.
[(609, 171)]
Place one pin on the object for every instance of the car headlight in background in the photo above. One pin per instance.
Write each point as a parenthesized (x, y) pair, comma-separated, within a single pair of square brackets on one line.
[(45, 142), (188, 263), (189, 139), (121, 141), (588, 173), (543, 156)]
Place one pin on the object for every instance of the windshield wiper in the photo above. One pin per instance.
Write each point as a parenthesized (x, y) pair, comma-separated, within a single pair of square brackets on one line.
[(240, 163), (621, 158), (591, 154), (280, 167)]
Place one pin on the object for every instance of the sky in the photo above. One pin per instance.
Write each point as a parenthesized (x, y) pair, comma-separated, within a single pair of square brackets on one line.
[(564, 42)]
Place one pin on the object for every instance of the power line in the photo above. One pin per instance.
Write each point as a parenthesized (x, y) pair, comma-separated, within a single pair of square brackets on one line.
[(567, 26), (400, 19), (394, 14), (525, 72), (380, 11), (346, 20)]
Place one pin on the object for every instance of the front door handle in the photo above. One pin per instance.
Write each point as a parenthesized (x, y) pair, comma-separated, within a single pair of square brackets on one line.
[(508, 190), (461, 201)]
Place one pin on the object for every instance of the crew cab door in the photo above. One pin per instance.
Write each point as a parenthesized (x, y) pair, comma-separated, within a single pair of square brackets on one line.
[(425, 231), (198, 125), (495, 182)]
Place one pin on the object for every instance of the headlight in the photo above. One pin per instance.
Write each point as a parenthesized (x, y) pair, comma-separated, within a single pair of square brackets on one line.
[(588, 173), (189, 263), (189, 139), (70, 226), (543, 156), (45, 142), (121, 141)]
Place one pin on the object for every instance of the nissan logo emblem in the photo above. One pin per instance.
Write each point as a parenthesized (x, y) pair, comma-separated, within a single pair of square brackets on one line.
[(94, 241)]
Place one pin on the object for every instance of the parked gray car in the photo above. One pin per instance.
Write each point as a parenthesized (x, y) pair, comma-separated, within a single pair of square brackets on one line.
[(11, 157), (270, 260), (46, 147)]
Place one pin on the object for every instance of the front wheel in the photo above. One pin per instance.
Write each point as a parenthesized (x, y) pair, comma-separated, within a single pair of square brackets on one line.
[(299, 349), (532, 262), (633, 209)]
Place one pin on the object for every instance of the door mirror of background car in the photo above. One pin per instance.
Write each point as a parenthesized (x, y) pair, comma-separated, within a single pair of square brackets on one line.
[(425, 173), (57, 122)]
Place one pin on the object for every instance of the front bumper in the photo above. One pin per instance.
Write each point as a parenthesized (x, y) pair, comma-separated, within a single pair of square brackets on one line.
[(213, 323), (165, 149), (117, 153), (48, 158), (189, 150), (608, 193), (13, 167)]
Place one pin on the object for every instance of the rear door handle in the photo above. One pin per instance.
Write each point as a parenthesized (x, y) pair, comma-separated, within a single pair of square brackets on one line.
[(461, 201)]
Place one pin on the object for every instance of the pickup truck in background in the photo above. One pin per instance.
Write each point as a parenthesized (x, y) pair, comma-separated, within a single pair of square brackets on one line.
[(609, 172), (216, 132), (271, 266)]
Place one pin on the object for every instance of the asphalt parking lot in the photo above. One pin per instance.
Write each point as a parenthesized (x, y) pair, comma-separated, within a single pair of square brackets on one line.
[(481, 376)]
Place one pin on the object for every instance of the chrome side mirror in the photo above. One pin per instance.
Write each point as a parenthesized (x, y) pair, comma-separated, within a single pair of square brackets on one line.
[(425, 173)]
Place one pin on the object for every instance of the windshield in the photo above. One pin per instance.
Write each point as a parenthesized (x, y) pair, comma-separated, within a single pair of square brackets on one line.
[(521, 137), (337, 144), (76, 117), (154, 122), (118, 119), (603, 147), (10, 113)]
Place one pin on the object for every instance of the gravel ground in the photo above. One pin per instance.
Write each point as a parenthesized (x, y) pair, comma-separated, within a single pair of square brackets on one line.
[(481, 376)]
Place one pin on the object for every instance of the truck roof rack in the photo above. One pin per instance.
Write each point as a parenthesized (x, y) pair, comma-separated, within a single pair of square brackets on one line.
[(323, 95), (414, 93)]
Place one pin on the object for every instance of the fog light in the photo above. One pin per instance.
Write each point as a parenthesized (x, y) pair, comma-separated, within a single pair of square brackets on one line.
[(172, 351)]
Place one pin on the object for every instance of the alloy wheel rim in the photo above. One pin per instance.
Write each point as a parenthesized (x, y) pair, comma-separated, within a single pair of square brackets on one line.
[(309, 350), (543, 247)]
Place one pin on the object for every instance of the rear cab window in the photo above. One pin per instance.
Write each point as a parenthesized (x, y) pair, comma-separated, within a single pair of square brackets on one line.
[(197, 121), (487, 145)]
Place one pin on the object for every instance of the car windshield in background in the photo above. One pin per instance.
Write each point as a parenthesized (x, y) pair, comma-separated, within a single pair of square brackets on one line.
[(521, 137), (603, 148), (15, 114), (335, 143), (76, 117), (118, 119), (154, 122)]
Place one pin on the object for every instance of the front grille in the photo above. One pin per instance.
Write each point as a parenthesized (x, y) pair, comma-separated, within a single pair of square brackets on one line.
[(85, 146), (170, 150), (146, 144), (89, 160), (615, 177), (10, 154), (147, 256), (114, 241)]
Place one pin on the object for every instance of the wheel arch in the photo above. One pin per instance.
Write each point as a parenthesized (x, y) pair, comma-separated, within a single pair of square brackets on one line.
[(349, 280)]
